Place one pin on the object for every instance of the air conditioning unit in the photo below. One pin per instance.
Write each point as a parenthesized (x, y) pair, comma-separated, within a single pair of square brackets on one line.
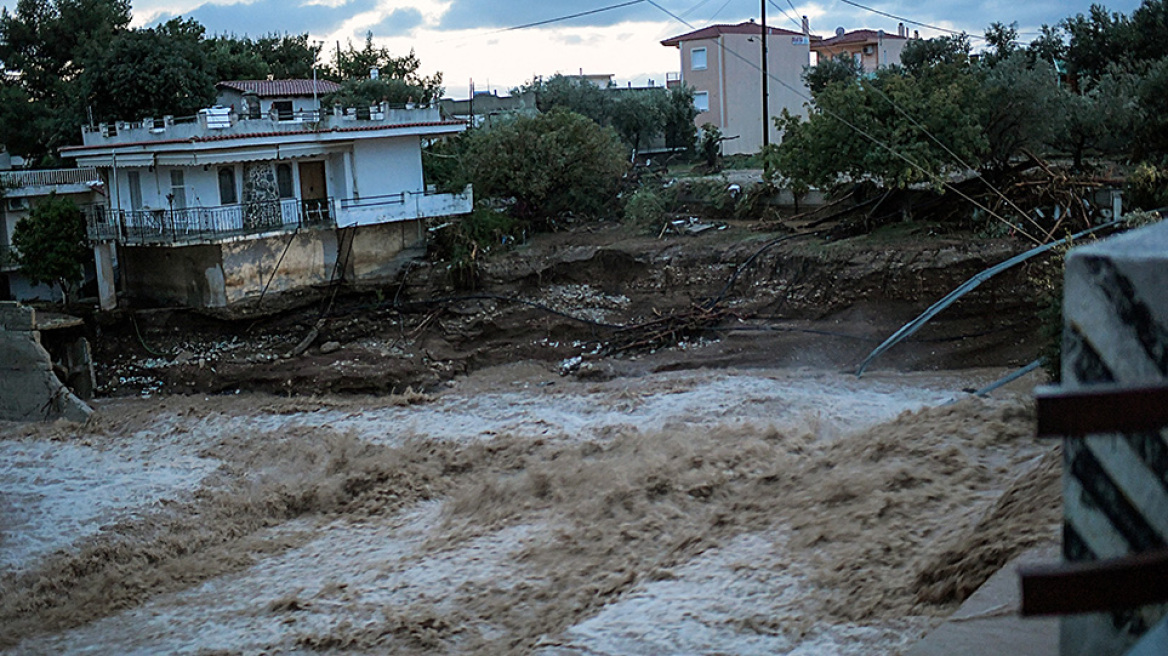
[(869, 50)]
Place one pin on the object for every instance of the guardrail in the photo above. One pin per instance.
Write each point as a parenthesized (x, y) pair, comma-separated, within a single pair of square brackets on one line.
[(194, 225)]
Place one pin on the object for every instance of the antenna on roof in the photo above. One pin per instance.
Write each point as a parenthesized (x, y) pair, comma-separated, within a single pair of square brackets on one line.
[(839, 31)]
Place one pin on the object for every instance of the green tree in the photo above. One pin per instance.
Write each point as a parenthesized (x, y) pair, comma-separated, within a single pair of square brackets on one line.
[(1100, 119), (1097, 40), (51, 244), (922, 55), (711, 144), (235, 58), (290, 56), (550, 164), (840, 69), (46, 45), (680, 112), (1021, 97), (1001, 40), (1050, 46), (573, 94), (151, 72), (862, 131), (638, 115), (398, 80)]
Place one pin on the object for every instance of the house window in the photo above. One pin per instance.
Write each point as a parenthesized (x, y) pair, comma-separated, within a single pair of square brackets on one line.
[(702, 101), (284, 180), (227, 186), (178, 190), (283, 110), (697, 59), (135, 180)]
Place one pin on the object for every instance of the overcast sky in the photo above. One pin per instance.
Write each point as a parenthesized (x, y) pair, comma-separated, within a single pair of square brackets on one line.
[(463, 38)]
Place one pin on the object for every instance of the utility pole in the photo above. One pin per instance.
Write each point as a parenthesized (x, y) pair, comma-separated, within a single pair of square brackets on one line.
[(766, 133)]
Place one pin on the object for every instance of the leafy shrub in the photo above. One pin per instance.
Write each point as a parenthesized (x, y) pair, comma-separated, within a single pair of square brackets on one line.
[(1147, 187), (463, 242), (645, 209), (550, 164)]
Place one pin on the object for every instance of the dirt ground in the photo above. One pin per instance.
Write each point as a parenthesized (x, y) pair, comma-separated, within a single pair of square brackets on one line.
[(589, 292), (526, 468)]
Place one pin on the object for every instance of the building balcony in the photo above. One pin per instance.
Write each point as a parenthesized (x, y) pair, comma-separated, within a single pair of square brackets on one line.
[(223, 122), (201, 225), (18, 184)]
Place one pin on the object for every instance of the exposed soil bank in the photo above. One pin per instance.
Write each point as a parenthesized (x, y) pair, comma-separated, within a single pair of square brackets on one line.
[(802, 302)]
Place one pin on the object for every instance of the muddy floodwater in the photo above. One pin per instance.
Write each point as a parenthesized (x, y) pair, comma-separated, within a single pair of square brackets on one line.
[(792, 511)]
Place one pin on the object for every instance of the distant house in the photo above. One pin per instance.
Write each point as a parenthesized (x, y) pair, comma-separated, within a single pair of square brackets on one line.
[(214, 210), (871, 49), (22, 190), (282, 100), (723, 64)]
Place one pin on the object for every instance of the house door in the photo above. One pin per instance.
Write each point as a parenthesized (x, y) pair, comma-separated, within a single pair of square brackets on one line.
[(314, 192)]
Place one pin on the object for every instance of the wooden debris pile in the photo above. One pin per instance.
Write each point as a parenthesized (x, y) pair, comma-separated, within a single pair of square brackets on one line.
[(667, 330)]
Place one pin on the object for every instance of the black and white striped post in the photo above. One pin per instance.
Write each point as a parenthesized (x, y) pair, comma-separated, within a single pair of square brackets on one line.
[(1115, 487)]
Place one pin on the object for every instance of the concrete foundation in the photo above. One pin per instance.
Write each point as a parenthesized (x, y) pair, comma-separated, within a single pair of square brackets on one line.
[(220, 275), (1115, 495), (29, 390)]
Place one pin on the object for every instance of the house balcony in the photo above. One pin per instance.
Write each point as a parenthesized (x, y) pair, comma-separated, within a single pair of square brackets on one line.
[(201, 225), (19, 184), (220, 123)]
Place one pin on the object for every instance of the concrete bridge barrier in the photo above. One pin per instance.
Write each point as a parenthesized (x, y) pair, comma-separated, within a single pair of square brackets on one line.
[(29, 390)]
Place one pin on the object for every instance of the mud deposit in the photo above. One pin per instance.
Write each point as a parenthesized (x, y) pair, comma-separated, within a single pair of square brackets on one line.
[(519, 512)]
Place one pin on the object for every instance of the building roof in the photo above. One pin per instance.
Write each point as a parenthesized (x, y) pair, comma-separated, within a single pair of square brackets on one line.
[(280, 88), (713, 31), (856, 37), (75, 151)]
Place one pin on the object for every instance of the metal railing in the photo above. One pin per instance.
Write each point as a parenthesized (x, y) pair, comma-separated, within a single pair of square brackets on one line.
[(194, 225), (49, 177)]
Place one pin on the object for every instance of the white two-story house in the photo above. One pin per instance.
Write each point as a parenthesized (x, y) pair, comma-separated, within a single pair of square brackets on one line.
[(213, 210)]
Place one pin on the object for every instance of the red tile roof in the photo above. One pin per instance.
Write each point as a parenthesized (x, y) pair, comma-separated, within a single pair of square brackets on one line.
[(713, 31), (280, 88), (855, 37)]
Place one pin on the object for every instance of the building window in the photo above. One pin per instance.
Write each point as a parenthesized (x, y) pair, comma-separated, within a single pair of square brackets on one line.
[(697, 59), (227, 186), (178, 190), (284, 180), (135, 180), (282, 110), (702, 101)]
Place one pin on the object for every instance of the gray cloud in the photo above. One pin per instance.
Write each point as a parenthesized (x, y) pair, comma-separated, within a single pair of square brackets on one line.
[(267, 16), (398, 23), (471, 14)]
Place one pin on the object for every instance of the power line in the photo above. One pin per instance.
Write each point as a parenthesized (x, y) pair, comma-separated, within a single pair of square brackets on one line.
[(909, 20), (558, 19), (925, 25), (784, 12), (858, 130)]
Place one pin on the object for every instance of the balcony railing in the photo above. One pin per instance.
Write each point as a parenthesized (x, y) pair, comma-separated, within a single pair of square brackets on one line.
[(194, 225), (49, 177)]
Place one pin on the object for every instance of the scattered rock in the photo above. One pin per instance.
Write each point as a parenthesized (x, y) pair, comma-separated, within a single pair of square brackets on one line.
[(330, 347)]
